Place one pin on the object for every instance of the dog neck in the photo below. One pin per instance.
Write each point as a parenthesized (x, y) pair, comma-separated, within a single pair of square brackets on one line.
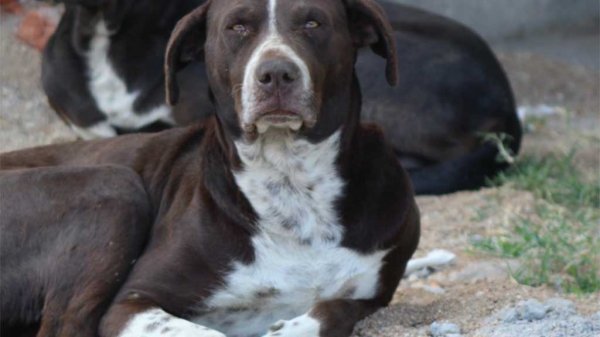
[(292, 185)]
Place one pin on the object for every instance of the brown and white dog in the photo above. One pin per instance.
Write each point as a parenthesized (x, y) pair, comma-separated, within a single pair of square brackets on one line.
[(281, 216), (102, 72)]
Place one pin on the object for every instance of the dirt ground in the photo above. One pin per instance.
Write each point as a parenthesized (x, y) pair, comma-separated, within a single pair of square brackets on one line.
[(475, 286)]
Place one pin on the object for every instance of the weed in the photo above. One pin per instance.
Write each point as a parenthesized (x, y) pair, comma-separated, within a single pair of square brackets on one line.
[(560, 243), (501, 141), (555, 179)]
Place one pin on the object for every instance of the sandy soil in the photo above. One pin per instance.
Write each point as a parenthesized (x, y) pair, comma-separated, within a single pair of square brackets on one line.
[(25, 117), (468, 291)]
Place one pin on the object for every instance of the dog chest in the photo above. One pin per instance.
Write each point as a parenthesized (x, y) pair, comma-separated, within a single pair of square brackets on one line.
[(110, 91), (285, 281), (293, 186)]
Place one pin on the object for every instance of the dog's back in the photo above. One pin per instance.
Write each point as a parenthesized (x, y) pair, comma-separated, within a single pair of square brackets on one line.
[(452, 92)]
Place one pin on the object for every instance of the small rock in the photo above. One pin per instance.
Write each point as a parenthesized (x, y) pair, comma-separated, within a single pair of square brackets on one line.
[(36, 29), (435, 260), (444, 329), (510, 315), (554, 318), (434, 289), (531, 310), (561, 305), (539, 111)]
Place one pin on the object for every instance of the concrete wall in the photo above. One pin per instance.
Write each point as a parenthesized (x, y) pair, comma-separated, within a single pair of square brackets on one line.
[(497, 19)]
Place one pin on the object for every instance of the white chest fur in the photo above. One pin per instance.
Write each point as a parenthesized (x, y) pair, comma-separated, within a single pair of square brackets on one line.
[(293, 186), (110, 91)]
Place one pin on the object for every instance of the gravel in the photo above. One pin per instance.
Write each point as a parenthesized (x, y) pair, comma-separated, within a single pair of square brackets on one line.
[(553, 318), (530, 310)]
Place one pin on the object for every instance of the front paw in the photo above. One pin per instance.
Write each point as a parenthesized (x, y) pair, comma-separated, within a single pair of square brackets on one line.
[(180, 330), (157, 323), (193, 331), (303, 326)]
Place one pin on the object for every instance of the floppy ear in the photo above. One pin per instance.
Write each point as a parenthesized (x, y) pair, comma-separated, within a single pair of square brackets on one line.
[(87, 13), (186, 44), (84, 26), (115, 12), (371, 27)]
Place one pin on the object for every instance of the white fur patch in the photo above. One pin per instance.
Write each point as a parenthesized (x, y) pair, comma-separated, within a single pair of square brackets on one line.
[(157, 323), (98, 130), (293, 186), (304, 326), (272, 42), (110, 91)]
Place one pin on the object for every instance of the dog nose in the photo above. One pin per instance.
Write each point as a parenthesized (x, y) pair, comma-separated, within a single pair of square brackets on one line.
[(277, 74)]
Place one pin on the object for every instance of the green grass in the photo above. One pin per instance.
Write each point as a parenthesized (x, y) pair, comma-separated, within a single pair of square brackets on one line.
[(554, 179), (559, 244)]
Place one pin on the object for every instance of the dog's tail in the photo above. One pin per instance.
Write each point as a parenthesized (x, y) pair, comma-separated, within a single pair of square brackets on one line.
[(467, 172), (473, 170)]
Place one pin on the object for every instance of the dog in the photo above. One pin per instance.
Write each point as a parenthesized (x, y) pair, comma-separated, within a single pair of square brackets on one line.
[(105, 78), (102, 69), (281, 215)]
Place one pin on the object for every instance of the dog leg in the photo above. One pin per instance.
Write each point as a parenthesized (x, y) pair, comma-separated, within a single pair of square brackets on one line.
[(155, 322), (335, 318), (69, 238)]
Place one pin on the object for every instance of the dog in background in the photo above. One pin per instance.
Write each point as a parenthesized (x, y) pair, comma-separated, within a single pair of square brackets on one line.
[(102, 72)]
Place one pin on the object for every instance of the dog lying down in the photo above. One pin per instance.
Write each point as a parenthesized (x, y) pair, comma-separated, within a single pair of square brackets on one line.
[(281, 215), (102, 72)]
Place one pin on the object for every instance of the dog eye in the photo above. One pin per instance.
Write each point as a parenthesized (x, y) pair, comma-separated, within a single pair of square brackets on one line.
[(312, 24), (240, 29)]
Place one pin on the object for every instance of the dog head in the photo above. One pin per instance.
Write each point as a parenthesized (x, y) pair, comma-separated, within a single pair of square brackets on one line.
[(87, 13), (281, 64)]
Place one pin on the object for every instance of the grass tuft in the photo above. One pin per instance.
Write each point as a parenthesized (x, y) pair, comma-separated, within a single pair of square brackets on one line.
[(555, 179), (559, 244)]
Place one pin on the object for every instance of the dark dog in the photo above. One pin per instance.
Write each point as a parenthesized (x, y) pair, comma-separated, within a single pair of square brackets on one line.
[(281, 216), (105, 77), (103, 68)]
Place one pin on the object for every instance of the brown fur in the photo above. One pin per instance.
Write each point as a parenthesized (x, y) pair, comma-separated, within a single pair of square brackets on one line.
[(192, 221)]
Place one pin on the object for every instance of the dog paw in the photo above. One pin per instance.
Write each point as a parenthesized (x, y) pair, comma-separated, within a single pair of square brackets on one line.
[(303, 326), (157, 323), (193, 331)]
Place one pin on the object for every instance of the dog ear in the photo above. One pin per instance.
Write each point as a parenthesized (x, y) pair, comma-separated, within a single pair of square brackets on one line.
[(186, 44), (115, 12), (84, 26), (87, 13), (371, 27)]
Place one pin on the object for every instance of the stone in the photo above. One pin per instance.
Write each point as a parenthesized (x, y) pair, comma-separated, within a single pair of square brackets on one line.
[(36, 29), (444, 329), (561, 305), (532, 310)]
